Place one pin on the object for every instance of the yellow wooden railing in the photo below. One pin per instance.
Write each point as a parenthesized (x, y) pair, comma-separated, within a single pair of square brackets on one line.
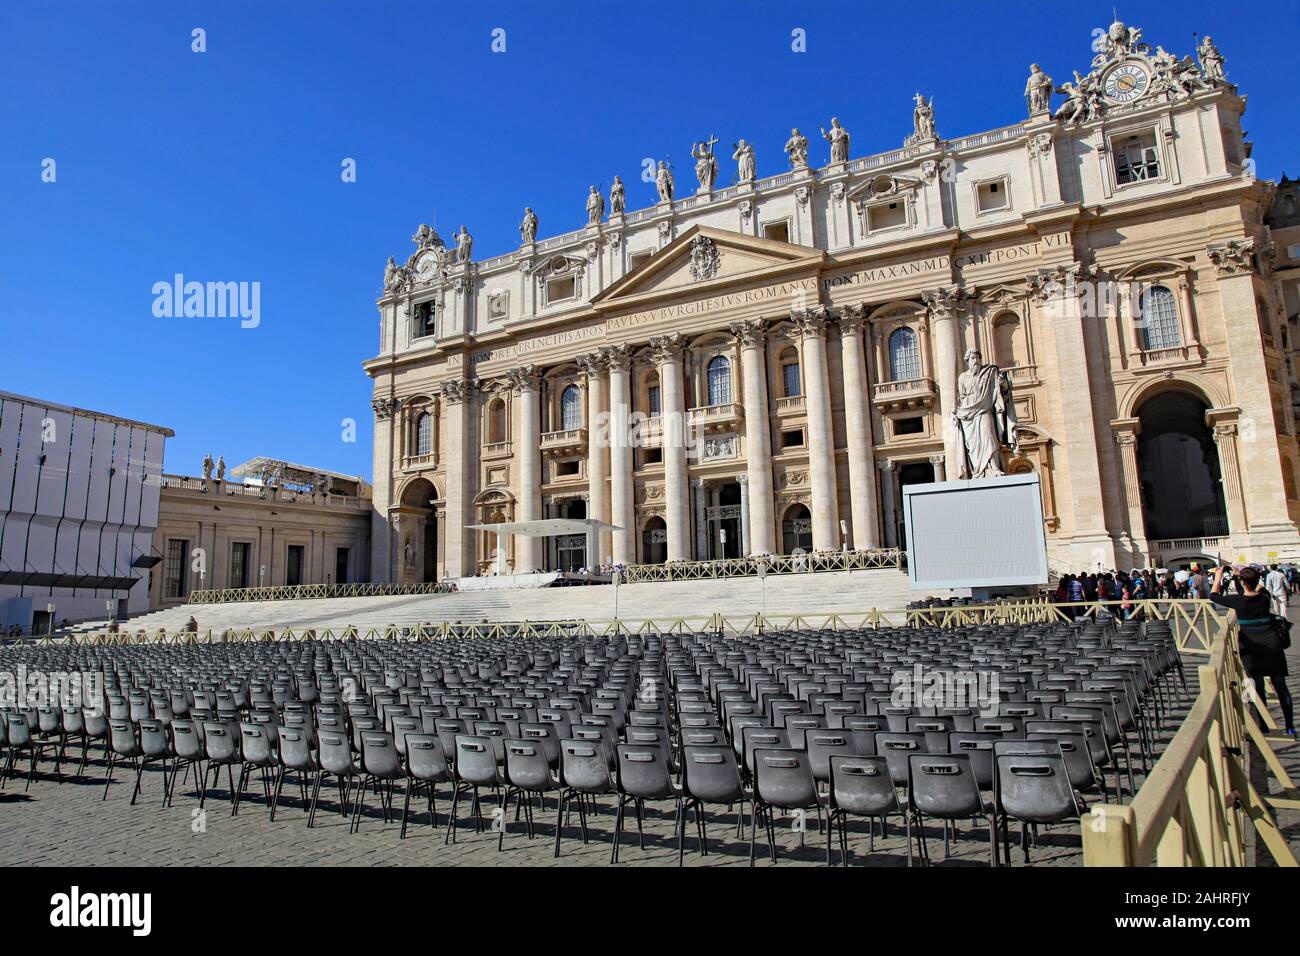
[(1198, 803)]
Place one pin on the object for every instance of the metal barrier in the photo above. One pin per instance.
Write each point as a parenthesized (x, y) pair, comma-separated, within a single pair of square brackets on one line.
[(302, 591), (811, 562)]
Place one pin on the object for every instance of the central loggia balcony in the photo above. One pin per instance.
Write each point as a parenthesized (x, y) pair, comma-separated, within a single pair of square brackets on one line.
[(566, 440), (909, 393)]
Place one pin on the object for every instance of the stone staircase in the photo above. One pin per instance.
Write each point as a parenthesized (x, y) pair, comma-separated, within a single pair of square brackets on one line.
[(739, 597)]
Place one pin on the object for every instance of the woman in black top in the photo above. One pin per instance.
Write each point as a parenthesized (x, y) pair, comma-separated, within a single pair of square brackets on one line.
[(1262, 653)]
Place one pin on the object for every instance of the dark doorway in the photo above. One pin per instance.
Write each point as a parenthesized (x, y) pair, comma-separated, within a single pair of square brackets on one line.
[(341, 556), (724, 523), (1182, 494), (654, 541), (293, 566), (796, 530), (909, 473), (571, 549)]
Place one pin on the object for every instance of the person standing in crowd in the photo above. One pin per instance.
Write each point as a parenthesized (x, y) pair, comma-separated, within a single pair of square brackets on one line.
[(1275, 584), (1262, 639)]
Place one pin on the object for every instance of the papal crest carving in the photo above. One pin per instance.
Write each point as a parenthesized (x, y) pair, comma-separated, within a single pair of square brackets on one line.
[(705, 258)]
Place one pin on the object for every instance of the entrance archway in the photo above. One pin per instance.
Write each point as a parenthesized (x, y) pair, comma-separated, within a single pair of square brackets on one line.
[(796, 529), (723, 520), (417, 546), (571, 549), (1178, 467), (909, 473), (654, 541)]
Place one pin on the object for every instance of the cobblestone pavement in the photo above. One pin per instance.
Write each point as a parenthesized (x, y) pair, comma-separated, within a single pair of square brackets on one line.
[(69, 825)]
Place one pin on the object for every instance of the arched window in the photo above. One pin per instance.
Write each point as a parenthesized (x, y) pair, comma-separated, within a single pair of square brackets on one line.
[(904, 355), (424, 434), (719, 373), (790, 384), (1159, 319), (571, 408), (496, 422)]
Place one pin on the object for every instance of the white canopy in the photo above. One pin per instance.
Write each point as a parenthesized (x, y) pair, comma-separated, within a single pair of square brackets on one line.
[(546, 527)]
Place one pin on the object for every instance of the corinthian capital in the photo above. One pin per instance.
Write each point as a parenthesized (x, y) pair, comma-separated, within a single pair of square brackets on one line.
[(593, 363), (525, 378), (1062, 280), (852, 319), (946, 301), (748, 333), (811, 322), (1234, 257), (384, 407), (667, 348), (617, 356), (458, 390)]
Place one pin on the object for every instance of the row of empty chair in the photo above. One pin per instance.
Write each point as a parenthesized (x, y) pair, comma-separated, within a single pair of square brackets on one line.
[(934, 726)]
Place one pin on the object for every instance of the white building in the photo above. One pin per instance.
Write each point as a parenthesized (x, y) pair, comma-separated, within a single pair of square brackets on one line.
[(79, 497)]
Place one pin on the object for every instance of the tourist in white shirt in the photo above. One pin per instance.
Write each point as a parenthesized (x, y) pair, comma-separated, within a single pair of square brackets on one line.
[(1275, 584)]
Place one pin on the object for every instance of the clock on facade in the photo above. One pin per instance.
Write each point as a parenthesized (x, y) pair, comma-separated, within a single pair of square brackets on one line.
[(425, 266), (1125, 83)]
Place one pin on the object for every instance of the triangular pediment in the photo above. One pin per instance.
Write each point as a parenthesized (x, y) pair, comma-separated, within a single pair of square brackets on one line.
[(702, 258)]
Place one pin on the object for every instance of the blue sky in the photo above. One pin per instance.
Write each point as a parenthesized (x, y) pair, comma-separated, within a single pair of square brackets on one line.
[(225, 165)]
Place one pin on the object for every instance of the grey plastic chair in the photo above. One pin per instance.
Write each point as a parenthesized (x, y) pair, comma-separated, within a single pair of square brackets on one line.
[(644, 773), (783, 780), (862, 786), (944, 786), (527, 775), (710, 775), (474, 766), (381, 765), (426, 766), (584, 775)]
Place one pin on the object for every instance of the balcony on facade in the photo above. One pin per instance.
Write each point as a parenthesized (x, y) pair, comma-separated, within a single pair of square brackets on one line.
[(566, 441), (909, 393), (716, 418), (419, 462)]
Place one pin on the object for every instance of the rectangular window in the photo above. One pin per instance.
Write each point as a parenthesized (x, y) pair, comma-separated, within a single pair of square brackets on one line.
[(780, 231), (293, 566), (792, 438), (637, 260), (176, 572), (909, 426), (790, 379), (557, 290), (499, 305), (886, 216), (653, 456), (341, 556), (652, 400), (1136, 158), (991, 196), (239, 552), (422, 320), (563, 468)]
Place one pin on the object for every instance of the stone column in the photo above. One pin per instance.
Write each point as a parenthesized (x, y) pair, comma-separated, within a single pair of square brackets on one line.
[(527, 383), (940, 471), (597, 440), (857, 421), (887, 491), (761, 534), (743, 481), (622, 502), (1056, 294), (701, 521), (943, 305), (1126, 436), (811, 324), (458, 396), (667, 352)]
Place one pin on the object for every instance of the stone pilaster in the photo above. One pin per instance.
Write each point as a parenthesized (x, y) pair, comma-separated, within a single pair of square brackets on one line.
[(622, 503), (458, 399), (526, 382), (597, 439)]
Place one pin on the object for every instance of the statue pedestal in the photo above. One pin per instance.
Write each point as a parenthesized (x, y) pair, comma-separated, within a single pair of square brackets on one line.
[(980, 533)]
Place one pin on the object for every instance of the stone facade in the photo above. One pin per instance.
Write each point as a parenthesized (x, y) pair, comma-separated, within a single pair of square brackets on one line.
[(283, 525), (787, 348)]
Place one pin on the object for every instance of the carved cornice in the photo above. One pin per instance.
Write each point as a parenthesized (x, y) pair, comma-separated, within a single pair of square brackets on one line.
[(1232, 258)]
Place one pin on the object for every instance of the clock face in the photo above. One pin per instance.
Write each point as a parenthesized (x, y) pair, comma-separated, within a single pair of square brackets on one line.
[(1126, 83), (424, 266)]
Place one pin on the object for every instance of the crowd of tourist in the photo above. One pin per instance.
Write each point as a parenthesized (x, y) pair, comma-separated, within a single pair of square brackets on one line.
[(1139, 584)]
